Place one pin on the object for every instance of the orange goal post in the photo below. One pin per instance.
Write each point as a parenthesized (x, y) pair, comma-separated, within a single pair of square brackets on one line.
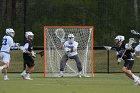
[(53, 35)]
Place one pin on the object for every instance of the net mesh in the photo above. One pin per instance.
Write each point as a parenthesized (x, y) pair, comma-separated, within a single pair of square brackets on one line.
[(54, 53)]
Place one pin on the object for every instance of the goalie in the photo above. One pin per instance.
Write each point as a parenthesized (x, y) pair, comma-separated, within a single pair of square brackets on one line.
[(70, 48), (28, 55), (124, 53)]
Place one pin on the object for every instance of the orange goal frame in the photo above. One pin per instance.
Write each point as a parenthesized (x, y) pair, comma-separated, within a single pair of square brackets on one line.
[(45, 40)]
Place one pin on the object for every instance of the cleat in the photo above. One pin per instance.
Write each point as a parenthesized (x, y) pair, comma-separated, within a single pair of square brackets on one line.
[(28, 77), (23, 75), (137, 83), (6, 78), (61, 74), (80, 74)]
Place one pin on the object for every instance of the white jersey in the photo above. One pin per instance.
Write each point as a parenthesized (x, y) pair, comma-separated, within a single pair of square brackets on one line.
[(137, 48), (73, 45), (7, 43)]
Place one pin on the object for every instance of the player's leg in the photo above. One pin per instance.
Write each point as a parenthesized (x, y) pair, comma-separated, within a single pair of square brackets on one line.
[(79, 66), (6, 61), (30, 68), (127, 70), (63, 64), (24, 69), (5, 74)]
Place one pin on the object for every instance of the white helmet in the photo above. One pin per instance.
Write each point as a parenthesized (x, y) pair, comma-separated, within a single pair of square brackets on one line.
[(70, 38), (10, 32), (29, 35), (120, 38)]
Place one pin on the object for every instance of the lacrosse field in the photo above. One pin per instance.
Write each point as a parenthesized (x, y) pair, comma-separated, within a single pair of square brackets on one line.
[(101, 83)]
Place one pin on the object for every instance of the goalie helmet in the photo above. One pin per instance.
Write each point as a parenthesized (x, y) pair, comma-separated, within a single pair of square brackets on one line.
[(120, 38), (70, 38), (29, 35), (10, 32)]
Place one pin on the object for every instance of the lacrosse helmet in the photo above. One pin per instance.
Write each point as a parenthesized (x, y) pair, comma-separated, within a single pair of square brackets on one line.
[(10, 32), (71, 38), (29, 35), (120, 38)]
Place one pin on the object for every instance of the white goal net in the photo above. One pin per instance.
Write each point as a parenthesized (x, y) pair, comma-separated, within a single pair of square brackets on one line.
[(53, 35)]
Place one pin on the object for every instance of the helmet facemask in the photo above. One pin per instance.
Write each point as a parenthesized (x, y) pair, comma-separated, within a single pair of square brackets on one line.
[(10, 32), (119, 39), (29, 36), (70, 38)]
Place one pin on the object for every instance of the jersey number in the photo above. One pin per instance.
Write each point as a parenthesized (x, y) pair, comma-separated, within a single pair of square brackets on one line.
[(4, 41)]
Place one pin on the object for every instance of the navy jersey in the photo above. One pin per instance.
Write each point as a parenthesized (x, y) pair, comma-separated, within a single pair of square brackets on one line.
[(127, 55), (28, 47)]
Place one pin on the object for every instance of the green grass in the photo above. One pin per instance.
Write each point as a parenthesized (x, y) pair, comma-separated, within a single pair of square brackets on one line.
[(102, 83)]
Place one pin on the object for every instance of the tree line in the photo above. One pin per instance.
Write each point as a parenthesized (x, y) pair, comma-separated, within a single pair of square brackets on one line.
[(109, 17)]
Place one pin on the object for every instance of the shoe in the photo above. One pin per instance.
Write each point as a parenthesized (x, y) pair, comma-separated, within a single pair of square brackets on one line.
[(6, 78), (28, 77), (80, 74), (61, 74), (137, 83), (23, 75)]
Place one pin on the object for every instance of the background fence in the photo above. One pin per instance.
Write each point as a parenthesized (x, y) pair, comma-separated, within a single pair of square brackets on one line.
[(102, 63), (109, 17)]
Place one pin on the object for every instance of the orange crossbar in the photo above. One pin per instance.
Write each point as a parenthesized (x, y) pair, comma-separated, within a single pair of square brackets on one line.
[(69, 26)]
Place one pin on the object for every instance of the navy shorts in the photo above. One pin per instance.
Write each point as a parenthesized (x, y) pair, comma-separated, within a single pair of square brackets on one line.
[(28, 60), (129, 64)]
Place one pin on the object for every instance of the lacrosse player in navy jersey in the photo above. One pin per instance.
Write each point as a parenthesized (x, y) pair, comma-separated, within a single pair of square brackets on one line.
[(124, 53), (70, 48), (7, 44), (28, 55)]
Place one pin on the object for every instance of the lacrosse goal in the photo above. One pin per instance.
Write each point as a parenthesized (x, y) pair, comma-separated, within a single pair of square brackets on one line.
[(53, 35)]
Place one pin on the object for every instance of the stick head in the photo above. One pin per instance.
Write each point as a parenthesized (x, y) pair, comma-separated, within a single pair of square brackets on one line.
[(60, 33), (131, 41), (107, 47), (134, 32)]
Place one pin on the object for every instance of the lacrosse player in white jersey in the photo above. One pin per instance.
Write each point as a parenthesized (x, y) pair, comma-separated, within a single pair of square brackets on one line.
[(7, 44), (70, 48)]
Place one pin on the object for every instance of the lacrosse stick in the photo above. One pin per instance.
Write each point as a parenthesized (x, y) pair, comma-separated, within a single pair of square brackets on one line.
[(107, 47), (60, 34), (41, 53), (135, 32)]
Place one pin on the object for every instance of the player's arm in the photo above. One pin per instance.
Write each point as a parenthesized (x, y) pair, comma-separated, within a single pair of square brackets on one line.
[(25, 48), (12, 44), (75, 47)]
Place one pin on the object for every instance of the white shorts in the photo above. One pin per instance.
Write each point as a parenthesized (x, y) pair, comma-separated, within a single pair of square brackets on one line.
[(5, 57)]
